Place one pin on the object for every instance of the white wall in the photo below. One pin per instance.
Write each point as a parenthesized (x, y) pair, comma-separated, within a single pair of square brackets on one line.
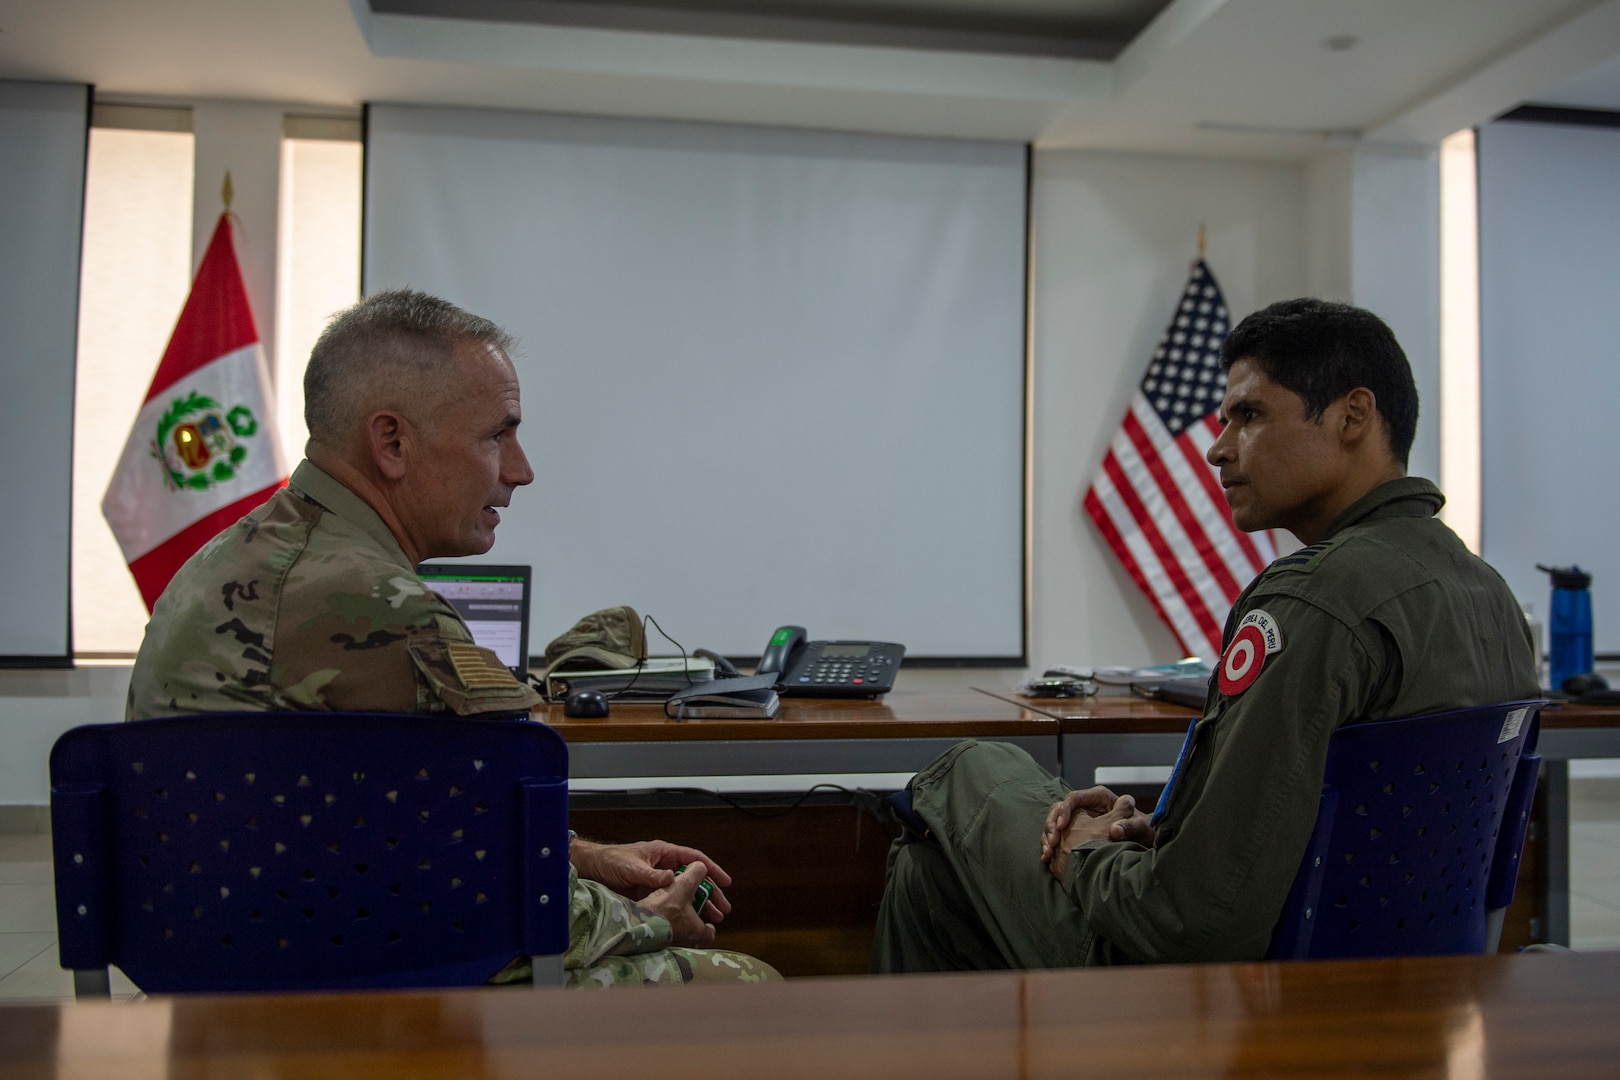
[(1549, 230), (244, 139), (1372, 222), (1395, 270), (38, 706), (1114, 236), (1327, 225), (42, 155)]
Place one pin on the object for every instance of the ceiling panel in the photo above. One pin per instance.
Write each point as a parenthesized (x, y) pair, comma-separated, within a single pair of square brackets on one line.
[(1238, 77), (1594, 88), (1092, 29)]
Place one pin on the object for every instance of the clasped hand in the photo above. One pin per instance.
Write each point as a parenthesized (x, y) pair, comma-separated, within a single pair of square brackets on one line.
[(645, 872), (1093, 814)]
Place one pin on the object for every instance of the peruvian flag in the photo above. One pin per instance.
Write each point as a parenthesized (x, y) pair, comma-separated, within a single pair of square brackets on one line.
[(204, 450)]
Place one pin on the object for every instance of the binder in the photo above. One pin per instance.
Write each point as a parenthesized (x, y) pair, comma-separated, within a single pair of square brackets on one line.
[(654, 680)]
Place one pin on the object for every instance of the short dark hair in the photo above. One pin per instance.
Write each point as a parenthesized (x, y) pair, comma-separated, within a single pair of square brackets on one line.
[(1321, 351)]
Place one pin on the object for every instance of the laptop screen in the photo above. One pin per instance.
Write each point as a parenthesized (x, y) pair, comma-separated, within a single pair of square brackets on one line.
[(494, 603)]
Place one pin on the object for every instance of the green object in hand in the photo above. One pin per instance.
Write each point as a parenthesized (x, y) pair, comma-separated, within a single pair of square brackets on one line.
[(701, 897)]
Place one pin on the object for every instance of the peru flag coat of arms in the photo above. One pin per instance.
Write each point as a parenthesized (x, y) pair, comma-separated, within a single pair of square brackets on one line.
[(204, 450)]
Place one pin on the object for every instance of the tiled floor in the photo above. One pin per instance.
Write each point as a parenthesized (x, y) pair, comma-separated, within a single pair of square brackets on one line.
[(28, 966), (1594, 855)]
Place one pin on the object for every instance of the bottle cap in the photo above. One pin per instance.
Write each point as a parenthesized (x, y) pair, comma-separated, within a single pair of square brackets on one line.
[(1567, 577)]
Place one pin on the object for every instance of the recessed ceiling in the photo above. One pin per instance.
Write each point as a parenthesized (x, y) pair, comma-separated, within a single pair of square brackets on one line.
[(1090, 29), (1266, 78), (1595, 88)]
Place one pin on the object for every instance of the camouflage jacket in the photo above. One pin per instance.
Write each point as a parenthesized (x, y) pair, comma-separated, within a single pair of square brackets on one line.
[(308, 602)]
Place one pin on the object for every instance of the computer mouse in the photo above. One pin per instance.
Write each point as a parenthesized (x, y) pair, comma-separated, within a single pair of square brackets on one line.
[(1576, 685), (585, 704)]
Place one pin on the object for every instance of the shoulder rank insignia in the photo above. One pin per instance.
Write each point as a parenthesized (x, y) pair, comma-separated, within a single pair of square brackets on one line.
[(1305, 559), (1257, 637)]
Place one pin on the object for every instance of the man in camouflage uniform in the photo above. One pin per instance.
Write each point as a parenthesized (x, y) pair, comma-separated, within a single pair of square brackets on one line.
[(312, 600), (1383, 614)]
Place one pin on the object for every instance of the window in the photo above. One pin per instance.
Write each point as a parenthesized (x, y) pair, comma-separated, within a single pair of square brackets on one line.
[(318, 258), (134, 274), (1459, 338)]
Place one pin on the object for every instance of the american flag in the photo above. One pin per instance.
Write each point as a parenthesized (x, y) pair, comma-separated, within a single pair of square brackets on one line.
[(1158, 502)]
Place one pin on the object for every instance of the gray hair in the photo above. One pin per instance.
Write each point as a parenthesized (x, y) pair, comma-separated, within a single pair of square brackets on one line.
[(392, 350)]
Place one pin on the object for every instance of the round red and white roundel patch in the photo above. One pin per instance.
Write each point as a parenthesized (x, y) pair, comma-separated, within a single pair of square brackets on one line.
[(1256, 638)]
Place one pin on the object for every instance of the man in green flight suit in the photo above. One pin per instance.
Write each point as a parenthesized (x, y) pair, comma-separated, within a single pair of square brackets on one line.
[(1384, 613), (312, 601)]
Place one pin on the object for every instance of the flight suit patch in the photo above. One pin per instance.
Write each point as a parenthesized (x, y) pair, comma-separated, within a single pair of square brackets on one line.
[(1257, 637)]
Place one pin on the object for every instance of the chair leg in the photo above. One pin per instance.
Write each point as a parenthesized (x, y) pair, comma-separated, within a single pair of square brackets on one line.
[(1493, 929), (92, 983), (548, 970)]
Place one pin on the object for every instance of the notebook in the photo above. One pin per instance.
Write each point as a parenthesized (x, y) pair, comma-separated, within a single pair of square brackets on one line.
[(494, 603), (747, 697)]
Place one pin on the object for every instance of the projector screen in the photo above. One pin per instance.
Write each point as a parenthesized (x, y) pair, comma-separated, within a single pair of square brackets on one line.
[(43, 128), (769, 377), (1549, 227)]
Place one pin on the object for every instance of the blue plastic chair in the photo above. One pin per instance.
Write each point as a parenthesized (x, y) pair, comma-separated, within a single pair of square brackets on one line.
[(300, 851), (1417, 839)]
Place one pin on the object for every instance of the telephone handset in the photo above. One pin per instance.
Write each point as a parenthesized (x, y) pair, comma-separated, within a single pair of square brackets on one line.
[(830, 668)]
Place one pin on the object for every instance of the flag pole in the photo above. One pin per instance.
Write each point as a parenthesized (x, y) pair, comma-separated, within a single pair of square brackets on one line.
[(1200, 230), (225, 194)]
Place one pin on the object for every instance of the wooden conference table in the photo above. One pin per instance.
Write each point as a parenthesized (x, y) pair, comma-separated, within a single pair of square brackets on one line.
[(1485, 1018), (905, 730), (899, 732)]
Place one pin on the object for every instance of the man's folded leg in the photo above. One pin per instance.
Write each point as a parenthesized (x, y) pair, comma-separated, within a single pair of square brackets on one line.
[(974, 893), (926, 921), (674, 966), (666, 967)]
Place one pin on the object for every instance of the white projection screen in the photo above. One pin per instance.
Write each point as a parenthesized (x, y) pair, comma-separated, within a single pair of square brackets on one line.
[(43, 131), (1549, 231), (769, 376)]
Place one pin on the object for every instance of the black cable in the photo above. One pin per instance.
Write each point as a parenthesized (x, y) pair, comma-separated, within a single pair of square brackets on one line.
[(641, 662)]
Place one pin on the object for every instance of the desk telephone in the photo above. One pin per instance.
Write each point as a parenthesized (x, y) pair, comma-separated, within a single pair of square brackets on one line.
[(830, 668)]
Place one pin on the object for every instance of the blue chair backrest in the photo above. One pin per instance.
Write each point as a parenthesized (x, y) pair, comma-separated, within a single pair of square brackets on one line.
[(1417, 835), (287, 851)]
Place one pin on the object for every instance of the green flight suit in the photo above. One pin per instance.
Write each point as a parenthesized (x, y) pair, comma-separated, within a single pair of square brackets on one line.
[(1388, 616), (309, 602)]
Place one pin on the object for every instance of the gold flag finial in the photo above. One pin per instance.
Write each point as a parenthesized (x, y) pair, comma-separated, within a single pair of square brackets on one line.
[(225, 194), (1200, 236)]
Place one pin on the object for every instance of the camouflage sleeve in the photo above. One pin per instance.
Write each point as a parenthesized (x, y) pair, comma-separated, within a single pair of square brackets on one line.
[(394, 646), (602, 923), (468, 679)]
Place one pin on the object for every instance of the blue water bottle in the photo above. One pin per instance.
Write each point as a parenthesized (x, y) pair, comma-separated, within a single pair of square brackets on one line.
[(1569, 626)]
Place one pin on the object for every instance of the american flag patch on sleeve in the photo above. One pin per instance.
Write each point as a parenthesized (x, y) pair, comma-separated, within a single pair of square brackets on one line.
[(478, 668)]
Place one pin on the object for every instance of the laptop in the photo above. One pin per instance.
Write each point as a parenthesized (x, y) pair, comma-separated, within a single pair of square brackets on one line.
[(494, 603)]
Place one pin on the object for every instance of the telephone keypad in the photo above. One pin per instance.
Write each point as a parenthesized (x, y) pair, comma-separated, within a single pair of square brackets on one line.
[(867, 674)]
